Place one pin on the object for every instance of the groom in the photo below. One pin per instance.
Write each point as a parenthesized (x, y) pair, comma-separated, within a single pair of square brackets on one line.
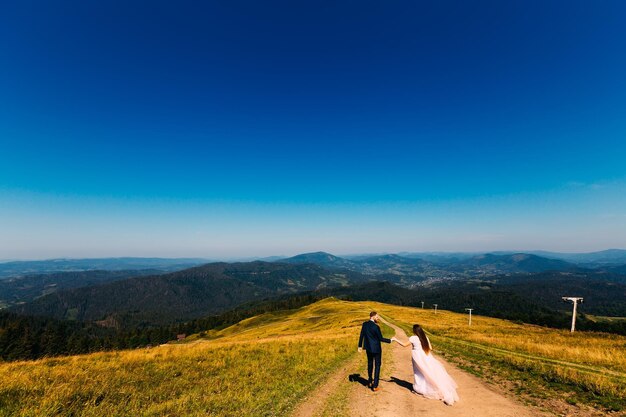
[(370, 340)]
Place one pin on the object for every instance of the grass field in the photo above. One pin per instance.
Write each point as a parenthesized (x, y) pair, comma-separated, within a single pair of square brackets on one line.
[(264, 366), (260, 367), (581, 367)]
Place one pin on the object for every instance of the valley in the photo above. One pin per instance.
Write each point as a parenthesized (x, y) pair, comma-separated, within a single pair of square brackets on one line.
[(86, 311)]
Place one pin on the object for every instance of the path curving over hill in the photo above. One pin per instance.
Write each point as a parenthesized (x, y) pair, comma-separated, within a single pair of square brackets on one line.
[(397, 399)]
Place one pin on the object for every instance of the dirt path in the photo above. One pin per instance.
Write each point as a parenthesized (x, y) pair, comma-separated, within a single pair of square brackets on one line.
[(397, 399)]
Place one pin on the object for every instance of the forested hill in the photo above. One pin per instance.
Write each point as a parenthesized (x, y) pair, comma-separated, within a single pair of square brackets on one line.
[(23, 337), (536, 303), (24, 289), (218, 287), (518, 262), (411, 269), (187, 294), (27, 337), (152, 309), (604, 295)]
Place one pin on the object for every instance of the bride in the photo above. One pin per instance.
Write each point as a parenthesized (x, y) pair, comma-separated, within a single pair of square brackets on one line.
[(431, 379)]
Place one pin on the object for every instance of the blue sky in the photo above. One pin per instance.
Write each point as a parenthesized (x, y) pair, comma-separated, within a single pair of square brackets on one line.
[(256, 128)]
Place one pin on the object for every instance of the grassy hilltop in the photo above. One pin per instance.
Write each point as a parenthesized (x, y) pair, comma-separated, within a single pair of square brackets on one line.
[(266, 364), (583, 367), (261, 366)]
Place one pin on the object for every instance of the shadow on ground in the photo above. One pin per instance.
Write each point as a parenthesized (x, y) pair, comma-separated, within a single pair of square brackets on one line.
[(402, 383), (357, 378)]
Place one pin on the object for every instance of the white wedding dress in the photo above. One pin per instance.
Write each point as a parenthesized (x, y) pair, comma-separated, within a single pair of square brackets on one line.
[(431, 378)]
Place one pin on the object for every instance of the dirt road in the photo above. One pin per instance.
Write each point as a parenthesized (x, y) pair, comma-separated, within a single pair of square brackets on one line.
[(397, 399)]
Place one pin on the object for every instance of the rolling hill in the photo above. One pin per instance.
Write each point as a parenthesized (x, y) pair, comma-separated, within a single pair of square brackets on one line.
[(534, 298), (214, 288), (513, 263), (22, 289), (322, 259), (605, 257), (267, 364), (408, 270), (514, 298), (604, 294), (184, 295)]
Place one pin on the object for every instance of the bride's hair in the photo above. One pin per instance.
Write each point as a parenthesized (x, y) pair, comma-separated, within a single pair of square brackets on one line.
[(419, 332)]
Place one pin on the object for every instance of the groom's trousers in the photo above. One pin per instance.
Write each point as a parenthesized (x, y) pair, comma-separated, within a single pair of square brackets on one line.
[(373, 363)]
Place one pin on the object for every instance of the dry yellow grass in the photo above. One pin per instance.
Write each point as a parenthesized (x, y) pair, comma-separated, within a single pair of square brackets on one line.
[(593, 361), (585, 348), (260, 367), (264, 365)]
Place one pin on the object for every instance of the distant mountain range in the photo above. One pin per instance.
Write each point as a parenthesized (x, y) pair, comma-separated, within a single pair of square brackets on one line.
[(517, 262), (406, 263), (319, 258), (410, 270), (184, 295), (609, 256), (139, 298), (21, 268)]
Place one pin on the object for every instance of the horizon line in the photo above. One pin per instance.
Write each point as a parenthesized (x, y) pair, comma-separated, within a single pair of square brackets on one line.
[(259, 257)]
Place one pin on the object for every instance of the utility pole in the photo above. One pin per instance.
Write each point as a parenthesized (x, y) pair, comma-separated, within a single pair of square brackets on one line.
[(422, 305), (470, 315), (574, 300), (435, 305)]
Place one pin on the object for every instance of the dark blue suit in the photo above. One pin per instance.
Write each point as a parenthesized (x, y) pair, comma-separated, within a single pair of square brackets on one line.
[(370, 339)]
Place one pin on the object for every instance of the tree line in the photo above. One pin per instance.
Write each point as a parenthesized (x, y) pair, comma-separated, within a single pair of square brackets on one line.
[(28, 337)]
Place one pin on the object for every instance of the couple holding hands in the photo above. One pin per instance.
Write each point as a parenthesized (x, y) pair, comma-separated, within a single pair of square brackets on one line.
[(430, 377)]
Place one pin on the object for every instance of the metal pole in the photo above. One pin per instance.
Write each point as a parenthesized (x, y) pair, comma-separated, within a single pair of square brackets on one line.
[(422, 305), (470, 315), (575, 301)]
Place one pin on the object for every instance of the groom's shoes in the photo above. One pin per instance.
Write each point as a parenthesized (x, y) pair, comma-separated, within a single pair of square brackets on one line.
[(376, 389)]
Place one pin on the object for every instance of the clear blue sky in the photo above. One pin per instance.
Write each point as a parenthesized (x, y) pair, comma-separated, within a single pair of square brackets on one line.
[(225, 129)]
